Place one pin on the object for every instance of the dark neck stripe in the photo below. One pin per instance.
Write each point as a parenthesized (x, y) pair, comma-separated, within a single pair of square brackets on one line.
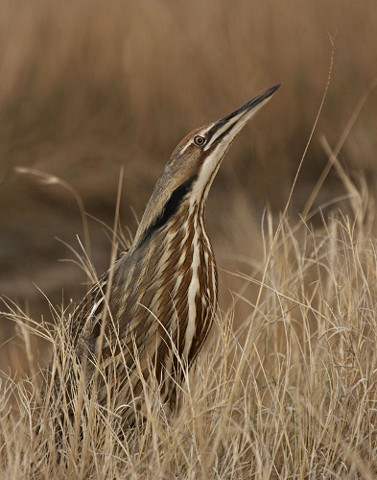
[(169, 209)]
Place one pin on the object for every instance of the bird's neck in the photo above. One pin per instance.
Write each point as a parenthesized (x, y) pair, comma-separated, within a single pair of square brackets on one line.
[(187, 223), (174, 222)]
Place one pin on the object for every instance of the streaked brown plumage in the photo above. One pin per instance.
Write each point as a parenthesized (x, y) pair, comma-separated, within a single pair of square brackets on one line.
[(162, 294)]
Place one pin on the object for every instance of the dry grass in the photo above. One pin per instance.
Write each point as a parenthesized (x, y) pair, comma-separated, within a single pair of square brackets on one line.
[(289, 394)]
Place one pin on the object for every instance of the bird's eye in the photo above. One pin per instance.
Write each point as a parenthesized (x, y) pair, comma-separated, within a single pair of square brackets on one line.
[(199, 140)]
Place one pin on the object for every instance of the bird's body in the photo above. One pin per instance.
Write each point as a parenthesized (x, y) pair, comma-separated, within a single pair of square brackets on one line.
[(155, 307)]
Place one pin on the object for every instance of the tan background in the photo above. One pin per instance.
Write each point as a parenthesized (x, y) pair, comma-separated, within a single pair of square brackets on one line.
[(89, 86)]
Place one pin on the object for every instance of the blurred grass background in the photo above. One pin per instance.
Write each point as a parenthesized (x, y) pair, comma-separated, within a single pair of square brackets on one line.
[(88, 86)]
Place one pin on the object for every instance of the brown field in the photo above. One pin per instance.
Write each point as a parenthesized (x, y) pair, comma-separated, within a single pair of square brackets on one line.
[(89, 91)]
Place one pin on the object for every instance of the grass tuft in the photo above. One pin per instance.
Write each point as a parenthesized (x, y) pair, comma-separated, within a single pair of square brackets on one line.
[(288, 391)]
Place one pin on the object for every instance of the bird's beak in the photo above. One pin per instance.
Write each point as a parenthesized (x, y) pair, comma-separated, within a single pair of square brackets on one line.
[(226, 129)]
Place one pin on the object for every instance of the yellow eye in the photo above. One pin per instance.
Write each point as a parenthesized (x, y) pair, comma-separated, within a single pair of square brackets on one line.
[(199, 140)]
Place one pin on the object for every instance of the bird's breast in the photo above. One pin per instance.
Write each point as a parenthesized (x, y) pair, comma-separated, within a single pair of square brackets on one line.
[(170, 290)]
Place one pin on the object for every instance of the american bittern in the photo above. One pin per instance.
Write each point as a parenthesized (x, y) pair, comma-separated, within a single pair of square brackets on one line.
[(158, 301)]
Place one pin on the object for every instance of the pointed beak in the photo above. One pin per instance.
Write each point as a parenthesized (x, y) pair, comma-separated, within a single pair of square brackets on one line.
[(227, 128)]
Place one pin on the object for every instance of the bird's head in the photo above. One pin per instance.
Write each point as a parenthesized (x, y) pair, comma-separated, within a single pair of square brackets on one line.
[(193, 165)]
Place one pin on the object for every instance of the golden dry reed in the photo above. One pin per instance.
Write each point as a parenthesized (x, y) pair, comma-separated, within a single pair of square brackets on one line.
[(291, 393)]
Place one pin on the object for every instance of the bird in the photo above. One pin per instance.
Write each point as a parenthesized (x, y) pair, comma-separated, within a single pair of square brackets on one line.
[(150, 314)]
